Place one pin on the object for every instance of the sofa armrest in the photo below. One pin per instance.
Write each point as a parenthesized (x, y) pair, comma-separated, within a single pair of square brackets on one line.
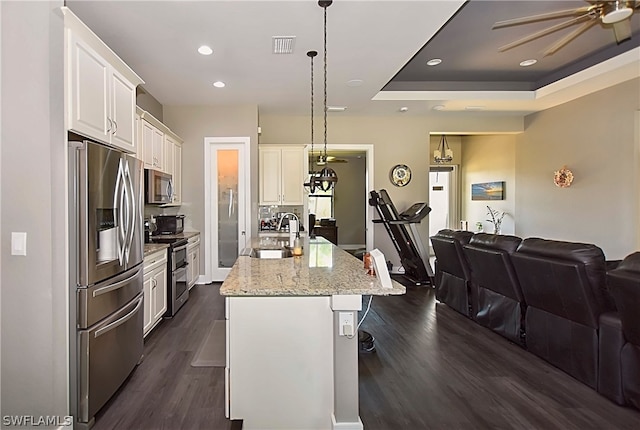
[(611, 340)]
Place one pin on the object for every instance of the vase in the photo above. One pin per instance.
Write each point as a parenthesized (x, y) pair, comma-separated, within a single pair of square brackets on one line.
[(497, 230)]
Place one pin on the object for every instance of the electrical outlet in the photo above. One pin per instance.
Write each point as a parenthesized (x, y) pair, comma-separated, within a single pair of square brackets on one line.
[(346, 324)]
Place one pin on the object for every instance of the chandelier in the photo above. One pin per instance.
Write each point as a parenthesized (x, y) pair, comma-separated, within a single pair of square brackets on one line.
[(312, 183), (327, 178), (443, 148)]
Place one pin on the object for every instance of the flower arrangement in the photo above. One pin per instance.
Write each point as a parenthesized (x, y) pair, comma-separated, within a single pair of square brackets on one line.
[(496, 219)]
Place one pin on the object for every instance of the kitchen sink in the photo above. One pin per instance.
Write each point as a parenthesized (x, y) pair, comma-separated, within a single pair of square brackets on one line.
[(270, 253)]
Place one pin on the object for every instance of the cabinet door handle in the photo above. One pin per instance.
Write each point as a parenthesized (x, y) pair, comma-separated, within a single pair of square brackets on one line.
[(115, 130), (110, 125)]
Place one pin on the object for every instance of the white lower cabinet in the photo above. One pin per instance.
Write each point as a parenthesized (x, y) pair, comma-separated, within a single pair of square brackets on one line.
[(155, 289), (193, 258)]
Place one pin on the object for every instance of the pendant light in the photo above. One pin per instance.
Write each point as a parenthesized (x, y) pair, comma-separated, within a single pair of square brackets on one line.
[(312, 182), (327, 177), (443, 154)]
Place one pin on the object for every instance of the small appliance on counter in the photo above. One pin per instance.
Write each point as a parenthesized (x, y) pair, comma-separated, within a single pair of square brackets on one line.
[(149, 229), (168, 224)]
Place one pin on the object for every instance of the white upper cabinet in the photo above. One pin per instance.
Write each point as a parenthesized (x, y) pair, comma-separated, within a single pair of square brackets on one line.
[(282, 174), (173, 164), (161, 149), (123, 107), (100, 88)]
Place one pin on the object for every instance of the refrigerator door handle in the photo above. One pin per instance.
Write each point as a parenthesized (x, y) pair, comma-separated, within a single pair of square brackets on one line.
[(130, 211), (115, 286), (118, 200), (119, 321)]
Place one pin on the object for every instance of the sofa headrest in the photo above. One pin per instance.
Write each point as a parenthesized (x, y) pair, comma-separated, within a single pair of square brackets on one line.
[(585, 253), (630, 263), (462, 237), (505, 243)]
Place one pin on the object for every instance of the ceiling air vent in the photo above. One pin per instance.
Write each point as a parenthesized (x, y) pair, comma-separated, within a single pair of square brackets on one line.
[(283, 44)]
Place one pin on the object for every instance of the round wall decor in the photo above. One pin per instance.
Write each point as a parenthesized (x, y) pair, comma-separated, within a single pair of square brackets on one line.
[(563, 178), (400, 175)]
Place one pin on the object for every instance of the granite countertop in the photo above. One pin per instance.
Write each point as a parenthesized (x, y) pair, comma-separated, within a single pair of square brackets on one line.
[(183, 235), (150, 248), (323, 270)]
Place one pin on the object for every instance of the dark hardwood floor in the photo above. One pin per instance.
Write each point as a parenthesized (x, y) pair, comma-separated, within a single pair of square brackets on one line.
[(433, 369)]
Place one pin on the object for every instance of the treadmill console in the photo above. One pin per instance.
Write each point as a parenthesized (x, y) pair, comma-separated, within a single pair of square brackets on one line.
[(415, 213)]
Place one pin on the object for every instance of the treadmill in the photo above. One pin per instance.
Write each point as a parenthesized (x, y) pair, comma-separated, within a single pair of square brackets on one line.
[(413, 256)]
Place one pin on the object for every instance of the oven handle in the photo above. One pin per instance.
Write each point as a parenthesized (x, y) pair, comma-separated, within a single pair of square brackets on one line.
[(119, 321), (180, 248)]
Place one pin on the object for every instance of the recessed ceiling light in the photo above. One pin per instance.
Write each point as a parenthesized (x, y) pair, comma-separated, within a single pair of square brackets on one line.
[(336, 108), (438, 107), (527, 63), (205, 50), (434, 62), (404, 109), (474, 108), (355, 82), (219, 84)]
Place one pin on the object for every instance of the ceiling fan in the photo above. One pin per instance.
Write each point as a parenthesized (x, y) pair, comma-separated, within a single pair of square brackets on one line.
[(616, 14), (320, 161)]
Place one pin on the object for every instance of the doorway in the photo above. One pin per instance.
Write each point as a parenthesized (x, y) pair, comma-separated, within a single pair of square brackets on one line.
[(443, 198), (227, 203), (346, 160)]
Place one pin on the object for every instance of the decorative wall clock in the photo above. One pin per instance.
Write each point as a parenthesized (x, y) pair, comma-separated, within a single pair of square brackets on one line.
[(400, 175)]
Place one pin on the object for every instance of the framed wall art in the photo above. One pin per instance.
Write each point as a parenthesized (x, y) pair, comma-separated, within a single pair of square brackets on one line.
[(488, 191)]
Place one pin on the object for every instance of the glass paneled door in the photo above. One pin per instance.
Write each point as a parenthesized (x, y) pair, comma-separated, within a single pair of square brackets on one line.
[(228, 206)]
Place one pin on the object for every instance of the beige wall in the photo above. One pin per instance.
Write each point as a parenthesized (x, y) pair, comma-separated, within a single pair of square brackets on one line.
[(396, 139), (193, 124), (487, 159), (596, 137), (34, 313), (149, 103)]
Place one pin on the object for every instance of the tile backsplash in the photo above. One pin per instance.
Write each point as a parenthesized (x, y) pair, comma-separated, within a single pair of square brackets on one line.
[(268, 216)]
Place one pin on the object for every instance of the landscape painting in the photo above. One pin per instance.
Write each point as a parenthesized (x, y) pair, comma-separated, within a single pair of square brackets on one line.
[(487, 191)]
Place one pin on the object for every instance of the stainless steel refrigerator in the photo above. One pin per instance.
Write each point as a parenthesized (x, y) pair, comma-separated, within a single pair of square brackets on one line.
[(106, 246)]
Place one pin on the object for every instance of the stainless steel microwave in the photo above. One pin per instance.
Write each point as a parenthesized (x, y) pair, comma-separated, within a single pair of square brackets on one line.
[(158, 187)]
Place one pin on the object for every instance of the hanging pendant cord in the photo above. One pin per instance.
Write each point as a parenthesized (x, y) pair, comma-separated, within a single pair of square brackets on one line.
[(312, 54), (325, 83)]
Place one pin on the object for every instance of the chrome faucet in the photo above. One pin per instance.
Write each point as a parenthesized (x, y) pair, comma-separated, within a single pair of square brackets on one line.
[(282, 218)]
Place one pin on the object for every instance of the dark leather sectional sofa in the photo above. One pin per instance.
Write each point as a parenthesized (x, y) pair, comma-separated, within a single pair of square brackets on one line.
[(562, 301)]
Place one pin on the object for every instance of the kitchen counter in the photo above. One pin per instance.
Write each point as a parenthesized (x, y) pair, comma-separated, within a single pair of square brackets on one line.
[(291, 337), (183, 235), (150, 248), (323, 270)]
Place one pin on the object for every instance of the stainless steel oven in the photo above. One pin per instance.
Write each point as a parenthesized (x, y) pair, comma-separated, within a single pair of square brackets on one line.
[(178, 282), (177, 287)]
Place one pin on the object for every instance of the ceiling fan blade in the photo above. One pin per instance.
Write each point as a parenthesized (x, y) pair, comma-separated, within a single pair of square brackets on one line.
[(569, 37), (622, 30), (544, 32), (541, 17)]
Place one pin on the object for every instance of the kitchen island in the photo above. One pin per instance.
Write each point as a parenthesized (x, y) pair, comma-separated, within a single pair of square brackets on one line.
[(292, 344)]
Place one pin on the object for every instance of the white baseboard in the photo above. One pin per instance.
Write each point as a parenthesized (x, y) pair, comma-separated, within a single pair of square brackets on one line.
[(346, 426)]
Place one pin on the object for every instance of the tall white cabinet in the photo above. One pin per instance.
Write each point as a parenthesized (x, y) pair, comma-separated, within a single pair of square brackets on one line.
[(282, 174), (101, 88)]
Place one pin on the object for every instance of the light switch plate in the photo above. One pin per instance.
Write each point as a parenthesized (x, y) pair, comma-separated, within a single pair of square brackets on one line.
[(18, 243)]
